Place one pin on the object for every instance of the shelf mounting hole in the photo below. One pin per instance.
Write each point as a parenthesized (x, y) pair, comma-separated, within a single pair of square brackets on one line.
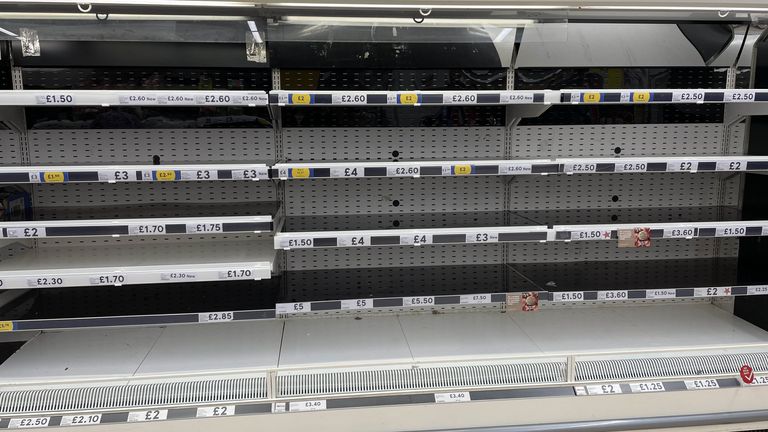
[(617, 150), (396, 203), (615, 198)]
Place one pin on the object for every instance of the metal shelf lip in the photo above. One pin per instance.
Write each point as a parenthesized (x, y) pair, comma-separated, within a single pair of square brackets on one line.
[(409, 237), (72, 266), (412, 97), (663, 230), (132, 173), (691, 164), (136, 227), (665, 96), (132, 98)]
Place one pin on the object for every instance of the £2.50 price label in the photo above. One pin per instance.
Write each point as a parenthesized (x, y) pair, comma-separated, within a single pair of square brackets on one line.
[(29, 422)]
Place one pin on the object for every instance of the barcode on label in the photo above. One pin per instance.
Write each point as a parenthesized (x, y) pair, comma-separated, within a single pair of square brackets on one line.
[(452, 397)]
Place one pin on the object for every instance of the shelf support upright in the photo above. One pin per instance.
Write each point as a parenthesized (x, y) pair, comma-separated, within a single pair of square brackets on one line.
[(277, 127)]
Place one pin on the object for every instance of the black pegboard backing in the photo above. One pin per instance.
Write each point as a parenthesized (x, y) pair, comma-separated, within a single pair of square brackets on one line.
[(615, 78), (448, 116), (743, 77), (87, 117), (392, 79), (6, 79), (146, 79)]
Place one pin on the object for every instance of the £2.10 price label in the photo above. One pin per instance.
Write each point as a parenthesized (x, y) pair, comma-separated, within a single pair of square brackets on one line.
[(81, 420)]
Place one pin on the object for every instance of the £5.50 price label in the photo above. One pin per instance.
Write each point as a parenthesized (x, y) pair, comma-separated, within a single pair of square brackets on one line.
[(453, 397), (418, 301), (148, 415)]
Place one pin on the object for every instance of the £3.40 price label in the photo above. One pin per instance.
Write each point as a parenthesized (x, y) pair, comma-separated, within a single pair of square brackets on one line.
[(314, 405), (29, 422), (453, 397)]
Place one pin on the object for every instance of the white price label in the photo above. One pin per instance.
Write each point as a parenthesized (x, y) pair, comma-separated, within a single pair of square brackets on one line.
[(248, 174), (200, 175), (631, 167), (356, 304), (760, 380), (452, 397), (681, 232), (517, 97), (351, 98), (740, 96), (216, 411), (56, 99), (30, 232), (214, 98), (691, 96), (516, 168), (604, 389), (682, 166), (459, 98), (117, 176), (708, 292), (702, 384), (403, 171), (353, 241), (146, 229), (296, 243), (292, 308), (80, 420), (418, 301), (593, 234), (580, 167), (347, 172), (732, 231), (46, 281), (236, 274), (176, 99), (148, 415), (205, 228), (647, 387), (757, 290), (415, 239), (482, 237), (216, 317), (475, 298), (568, 296), (250, 99), (613, 295), (138, 99), (660, 293), (315, 405), (731, 165), (29, 422), (108, 279), (178, 276)]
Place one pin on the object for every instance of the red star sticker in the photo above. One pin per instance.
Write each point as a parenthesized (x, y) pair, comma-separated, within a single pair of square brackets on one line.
[(727, 291), (607, 234)]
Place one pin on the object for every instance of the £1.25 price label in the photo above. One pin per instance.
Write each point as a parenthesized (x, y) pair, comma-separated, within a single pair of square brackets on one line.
[(647, 387), (702, 384)]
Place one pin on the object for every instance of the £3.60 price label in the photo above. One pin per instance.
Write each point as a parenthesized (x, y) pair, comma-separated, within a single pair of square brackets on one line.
[(647, 387), (216, 411), (356, 304), (613, 295), (216, 317), (315, 405), (702, 384), (604, 389), (681, 232), (148, 415), (29, 422), (452, 397), (81, 420)]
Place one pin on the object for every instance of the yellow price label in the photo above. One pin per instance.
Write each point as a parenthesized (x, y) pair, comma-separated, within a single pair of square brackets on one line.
[(462, 169), (6, 326), (166, 175), (53, 177), (591, 97), (300, 172), (408, 98), (641, 97), (300, 99)]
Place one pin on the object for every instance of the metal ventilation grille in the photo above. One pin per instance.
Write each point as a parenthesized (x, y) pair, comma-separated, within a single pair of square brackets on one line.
[(137, 395), (669, 366), (388, 380)]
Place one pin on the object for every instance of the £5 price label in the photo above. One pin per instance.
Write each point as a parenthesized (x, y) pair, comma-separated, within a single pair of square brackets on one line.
[(293, 308), (148, 415), (356, 304)]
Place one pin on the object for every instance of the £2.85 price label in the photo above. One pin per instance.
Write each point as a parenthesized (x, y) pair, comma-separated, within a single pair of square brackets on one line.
[(216, 317)]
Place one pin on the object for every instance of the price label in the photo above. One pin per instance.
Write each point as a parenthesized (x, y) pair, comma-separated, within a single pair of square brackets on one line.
[(53, 177), (176, 99), (204, 228), (200, 175), (594, 234), (314, 405), (356, 304), (568, 296), (682, 232), (647, 387), (47, 281), (757, 290), (702, 384), (740, 96), (56, 99), (300, 172), (731, 165), (482, 237), (516, 168), (631, 167), (517, 97), (408, 98), (732, 231), (296, 243), (6, 326), (688, 96), (418, 301), (641, 97), (475, 299), (236, 274), (29, 422), (108, 279), (415, 239), (708, 292), (216, 317), (660, 293), (146, 229), (353, 241), (247, 174), (214, 99), (26, 232), (138, 99), (165, 175), (604, 389), (591, 97), (216, 411), (612, 295), (459, 98), (178, 276), (301, 99), (349, 99), (292, 308), (80, 420), (682, 166), (452, 397), (148, 415), (339, 172), (251, 99), (579, 167), (760, 380), (116, 176), (462, 170), (403, 171)]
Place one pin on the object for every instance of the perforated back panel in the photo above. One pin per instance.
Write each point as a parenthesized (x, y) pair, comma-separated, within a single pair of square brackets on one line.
[(140, 146), (331, 144), (9, 148)]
